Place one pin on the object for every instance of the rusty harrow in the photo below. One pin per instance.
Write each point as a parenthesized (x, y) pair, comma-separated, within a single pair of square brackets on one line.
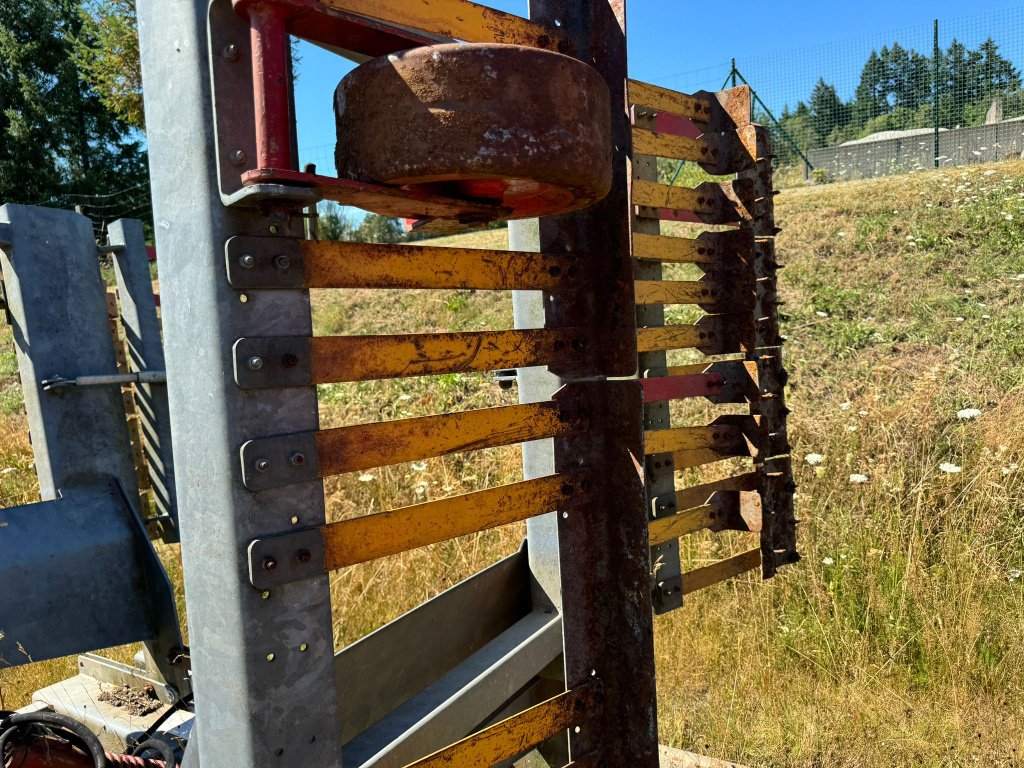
[(552, 150)]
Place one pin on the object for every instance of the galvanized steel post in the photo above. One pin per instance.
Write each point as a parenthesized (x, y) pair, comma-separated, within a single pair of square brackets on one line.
[(262, 661)]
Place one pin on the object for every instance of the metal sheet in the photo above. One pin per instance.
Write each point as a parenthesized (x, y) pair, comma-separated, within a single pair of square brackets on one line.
[(721, 203), (520, 733), (698, 109), (496, 597), (146, 354), (455, 705), (51, 582)]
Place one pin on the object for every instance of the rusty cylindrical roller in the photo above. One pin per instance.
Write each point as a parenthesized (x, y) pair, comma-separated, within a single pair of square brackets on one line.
[(525, 128)]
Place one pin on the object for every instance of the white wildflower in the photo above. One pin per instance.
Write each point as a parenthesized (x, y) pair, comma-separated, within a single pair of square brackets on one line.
[(367, 478), (814, 459), (1014, 574), (862, 413), (968, 414), (828, 561), (419, 466), (858, 479), (950, 469), (844, 406), (821, 314), (959, 319), (404, 398)]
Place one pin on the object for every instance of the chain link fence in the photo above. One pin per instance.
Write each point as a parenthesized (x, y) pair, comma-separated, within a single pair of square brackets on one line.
[(947, 92)]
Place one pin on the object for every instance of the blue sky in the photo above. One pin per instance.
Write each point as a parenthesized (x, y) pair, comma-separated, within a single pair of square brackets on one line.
[(688, 46)]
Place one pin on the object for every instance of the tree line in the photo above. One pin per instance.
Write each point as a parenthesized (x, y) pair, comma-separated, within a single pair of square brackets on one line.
[(899, 89)]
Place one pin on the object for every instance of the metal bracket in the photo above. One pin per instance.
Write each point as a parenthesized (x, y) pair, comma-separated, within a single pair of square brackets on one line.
[(264, 263), (286, 557), (271, 462), (272, 362)]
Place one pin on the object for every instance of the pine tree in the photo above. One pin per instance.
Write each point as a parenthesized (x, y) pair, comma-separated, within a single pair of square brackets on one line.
[(56, 136)]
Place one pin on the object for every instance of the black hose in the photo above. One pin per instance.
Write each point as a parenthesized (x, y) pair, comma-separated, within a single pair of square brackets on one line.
[(73, 731), (157, 745)]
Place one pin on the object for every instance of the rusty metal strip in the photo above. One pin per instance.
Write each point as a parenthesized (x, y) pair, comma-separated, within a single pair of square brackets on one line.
[(692, 520), (699, 495), (722, 251), (361, 358), (370, 265), (387, 533), (699, 150), (715, 295), (520, 733), (698, 109), (712, 335), (359, 447), (721, 203), (701, 578), (677, 439), (698, 384), (458, 20), (739, 379)]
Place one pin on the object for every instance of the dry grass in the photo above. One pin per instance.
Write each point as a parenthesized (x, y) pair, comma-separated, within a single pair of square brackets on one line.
[(899, 639)]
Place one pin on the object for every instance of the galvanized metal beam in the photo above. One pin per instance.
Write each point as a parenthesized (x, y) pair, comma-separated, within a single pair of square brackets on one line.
[(146, 354), (262, 662)]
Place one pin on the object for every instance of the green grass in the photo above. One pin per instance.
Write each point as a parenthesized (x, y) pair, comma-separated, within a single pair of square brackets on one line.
[(899, 640)]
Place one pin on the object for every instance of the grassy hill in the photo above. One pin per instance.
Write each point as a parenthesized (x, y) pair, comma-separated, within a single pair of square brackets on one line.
[(899, 640)]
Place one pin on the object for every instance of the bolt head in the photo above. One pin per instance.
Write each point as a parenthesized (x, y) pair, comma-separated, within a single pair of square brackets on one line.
[(282, 262), (269, 563), (247, 261), (262, 465), (237, 157), (254, 363), (303, 556), (230, 52), (297, 459)]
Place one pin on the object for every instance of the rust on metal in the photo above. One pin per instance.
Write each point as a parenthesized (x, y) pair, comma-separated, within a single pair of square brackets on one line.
[(712, 335), (363, 446), (720, 295), (721, 203), (700, 494), (699, 384), (520, 733), (717, 153), (361, 358), (458, 20), (473, 125), (697, 108), (387, 533), (728, 511), (675, 439), (709, 575), (370, 265)]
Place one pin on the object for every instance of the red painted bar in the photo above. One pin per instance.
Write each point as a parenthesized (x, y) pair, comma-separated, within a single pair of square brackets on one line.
[(681, 387)]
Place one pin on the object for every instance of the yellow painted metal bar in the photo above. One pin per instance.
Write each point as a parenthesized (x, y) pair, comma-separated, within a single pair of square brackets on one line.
[(670, 337), (690, 521), (519, 733), (707, 198), (711, 437), (372, 265), (675, 292), (683, 250), (456, 19), (350, 449), (701, 578), (387, 533), (699, 494), (360, 358), (655, 97), (720, 365), (699, 150)]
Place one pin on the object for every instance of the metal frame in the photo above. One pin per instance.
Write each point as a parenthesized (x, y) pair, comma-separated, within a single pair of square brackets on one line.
[(229, 206)]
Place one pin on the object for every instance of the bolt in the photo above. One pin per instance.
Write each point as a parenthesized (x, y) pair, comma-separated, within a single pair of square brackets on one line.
[(230, 52), (303, 556), (269, 563), (254, 363), (262, 465), (297, 459), (237, 157), (273, 229), (289, 360), (247, 261), (282, 262)]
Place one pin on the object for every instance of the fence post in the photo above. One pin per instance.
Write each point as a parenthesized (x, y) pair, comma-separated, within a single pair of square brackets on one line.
[(935, 90)]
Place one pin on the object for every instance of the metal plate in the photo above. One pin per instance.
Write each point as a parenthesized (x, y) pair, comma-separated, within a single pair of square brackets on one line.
[(276, 560), (275, 361), (271, 462), (264, 262)]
